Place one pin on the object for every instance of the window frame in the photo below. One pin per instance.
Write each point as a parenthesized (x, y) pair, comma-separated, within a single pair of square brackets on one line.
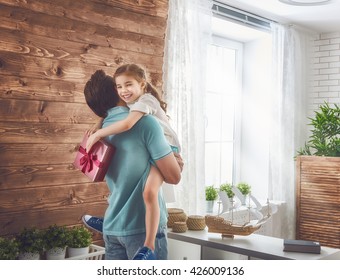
[(224, 42)]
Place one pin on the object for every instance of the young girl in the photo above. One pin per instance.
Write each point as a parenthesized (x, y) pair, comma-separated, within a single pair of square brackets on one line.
[(142, 98)]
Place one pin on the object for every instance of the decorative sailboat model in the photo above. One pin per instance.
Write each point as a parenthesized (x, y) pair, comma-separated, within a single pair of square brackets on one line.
[(228, 227)]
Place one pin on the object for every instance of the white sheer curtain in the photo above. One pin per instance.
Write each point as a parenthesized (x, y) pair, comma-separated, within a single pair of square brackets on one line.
[(291, 49), (184, 72)]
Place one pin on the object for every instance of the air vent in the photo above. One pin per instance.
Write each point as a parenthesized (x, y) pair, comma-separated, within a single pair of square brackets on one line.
[(240, 16)]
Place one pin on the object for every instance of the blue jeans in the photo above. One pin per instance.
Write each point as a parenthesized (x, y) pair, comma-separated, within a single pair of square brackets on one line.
[(125, 247)]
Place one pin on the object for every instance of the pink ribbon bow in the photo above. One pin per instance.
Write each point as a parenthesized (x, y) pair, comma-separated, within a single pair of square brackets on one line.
[(87, 160)]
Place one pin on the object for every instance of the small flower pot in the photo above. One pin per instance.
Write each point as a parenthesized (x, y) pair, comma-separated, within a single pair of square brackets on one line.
[(74, 252), (56, 254), (209, 206), (29, 256)]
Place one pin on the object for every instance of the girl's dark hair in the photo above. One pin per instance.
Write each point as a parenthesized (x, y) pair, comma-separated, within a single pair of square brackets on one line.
[(138, 73), (100, 93)]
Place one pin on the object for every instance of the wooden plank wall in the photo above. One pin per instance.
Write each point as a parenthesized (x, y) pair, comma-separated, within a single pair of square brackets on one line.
[(48, 50)]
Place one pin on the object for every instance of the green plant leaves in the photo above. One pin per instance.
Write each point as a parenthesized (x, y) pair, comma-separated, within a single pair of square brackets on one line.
[(80, 237), (325, 137), (9, 249), (30, 240), (228, 189), (244, 188), (210, 193)]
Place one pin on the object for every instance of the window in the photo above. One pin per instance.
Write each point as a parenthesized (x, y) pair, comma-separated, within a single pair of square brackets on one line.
[(236, 140), (221, 118)]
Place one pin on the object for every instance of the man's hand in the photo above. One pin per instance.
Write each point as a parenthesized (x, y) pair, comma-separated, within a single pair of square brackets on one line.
[(179, 161)]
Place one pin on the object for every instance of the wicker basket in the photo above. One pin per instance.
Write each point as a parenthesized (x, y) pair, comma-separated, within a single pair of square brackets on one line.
[(176, 215), (179, 227), (95, 253), (196, 222)]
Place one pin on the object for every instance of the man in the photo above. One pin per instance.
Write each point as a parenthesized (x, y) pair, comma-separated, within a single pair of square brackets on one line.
[(124, 220)]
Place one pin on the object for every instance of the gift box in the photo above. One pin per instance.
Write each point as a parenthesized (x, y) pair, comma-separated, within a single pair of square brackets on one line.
[(95, 163)]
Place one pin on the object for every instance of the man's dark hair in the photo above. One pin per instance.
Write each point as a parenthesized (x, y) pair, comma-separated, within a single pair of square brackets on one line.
[(100, 93)]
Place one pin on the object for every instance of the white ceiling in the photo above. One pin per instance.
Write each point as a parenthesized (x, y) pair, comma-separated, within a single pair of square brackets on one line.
[(322, 19)]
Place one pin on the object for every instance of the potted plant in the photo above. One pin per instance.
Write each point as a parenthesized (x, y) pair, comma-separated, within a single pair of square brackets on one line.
[(318, 177), (9, 249), (227, 196), (56, 239), (80, 239), (210, 196), (228, 189), (325, 137), (31, 243), (244, 188)]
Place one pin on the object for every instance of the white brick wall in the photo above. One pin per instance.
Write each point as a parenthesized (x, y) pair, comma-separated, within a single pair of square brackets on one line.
[(325, 84)]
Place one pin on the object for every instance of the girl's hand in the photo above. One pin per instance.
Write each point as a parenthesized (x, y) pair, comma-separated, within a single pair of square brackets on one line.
[(179, 160), (93, 139), (94, 127)]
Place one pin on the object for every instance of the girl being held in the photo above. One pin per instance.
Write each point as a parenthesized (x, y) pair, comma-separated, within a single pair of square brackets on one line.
[(142, 98)]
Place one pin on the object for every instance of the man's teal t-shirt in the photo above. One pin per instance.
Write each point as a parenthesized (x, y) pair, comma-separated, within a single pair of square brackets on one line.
[(128, 172)]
